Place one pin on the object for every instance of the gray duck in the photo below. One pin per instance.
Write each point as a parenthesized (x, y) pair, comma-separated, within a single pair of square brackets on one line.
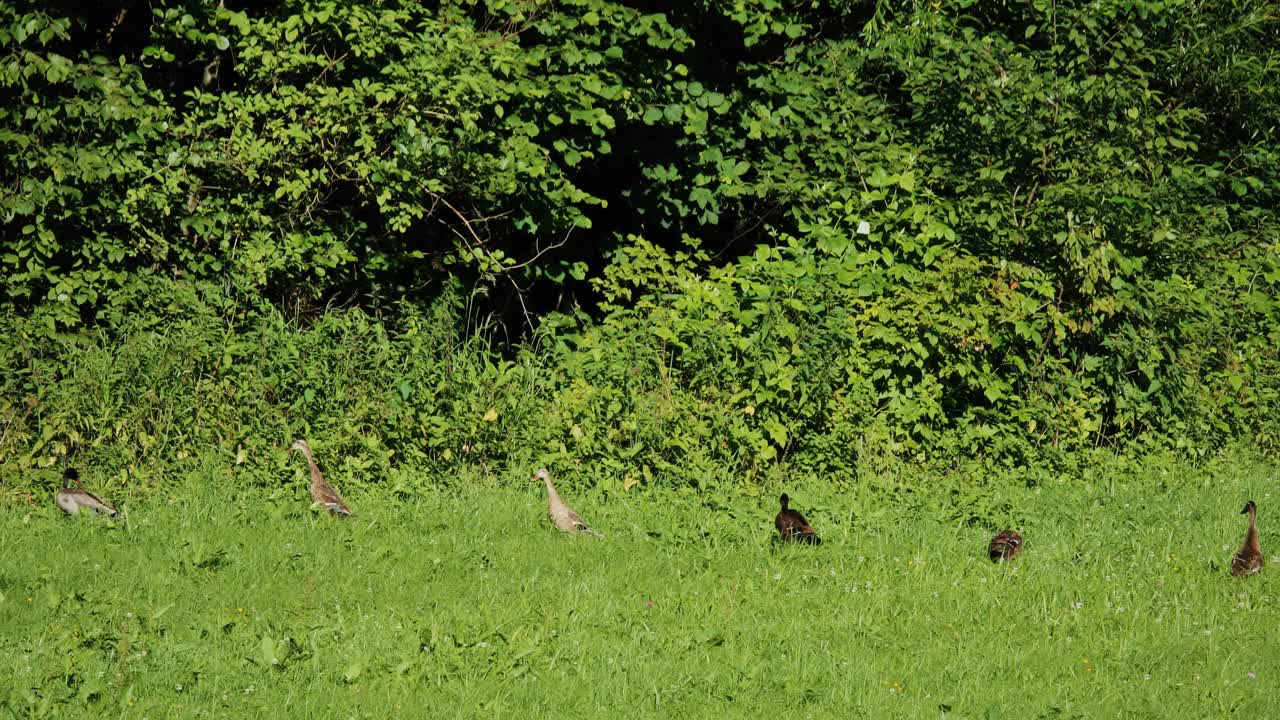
[(71, 500)]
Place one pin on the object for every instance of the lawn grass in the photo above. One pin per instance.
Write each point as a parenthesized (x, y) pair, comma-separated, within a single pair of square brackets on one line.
[(203, 603)]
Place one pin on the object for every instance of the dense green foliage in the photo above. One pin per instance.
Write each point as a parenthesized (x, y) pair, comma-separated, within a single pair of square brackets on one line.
[(211, 602), (682, 244)]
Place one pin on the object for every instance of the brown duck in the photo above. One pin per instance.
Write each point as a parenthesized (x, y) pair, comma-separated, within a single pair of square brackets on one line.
[(562, 516), (71, 500), (791, 525), (1005, 546), (1248, 560), (322, 493)]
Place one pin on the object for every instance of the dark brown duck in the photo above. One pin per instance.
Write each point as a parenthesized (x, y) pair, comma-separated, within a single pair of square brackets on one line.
[(1004, 546), (1248, 561), (792, 527)]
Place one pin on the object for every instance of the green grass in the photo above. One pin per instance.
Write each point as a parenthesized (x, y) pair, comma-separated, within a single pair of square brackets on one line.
[(466, 603)]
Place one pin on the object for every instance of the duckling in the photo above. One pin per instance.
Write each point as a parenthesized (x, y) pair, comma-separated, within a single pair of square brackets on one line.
[(322, 493), (562, 516), (792, 527), (1004, 546), (71, 500), (1248, 560)]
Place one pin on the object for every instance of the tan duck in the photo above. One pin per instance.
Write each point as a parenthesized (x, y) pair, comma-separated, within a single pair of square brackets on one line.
[(71, 500), (791, 525), (1005, 546), (562, 516), (1248, 561), (322, 493)]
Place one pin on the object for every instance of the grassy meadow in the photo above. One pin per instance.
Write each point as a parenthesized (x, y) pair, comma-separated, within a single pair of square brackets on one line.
[(203, 602), (932, 269)]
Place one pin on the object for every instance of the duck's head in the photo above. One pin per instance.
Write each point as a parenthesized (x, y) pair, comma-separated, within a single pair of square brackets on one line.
[(541, 476), (1249, 507), (70, 476), (784, 500), (299, 445)]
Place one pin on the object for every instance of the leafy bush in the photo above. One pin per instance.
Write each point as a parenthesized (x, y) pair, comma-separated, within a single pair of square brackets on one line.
[(724, 239)]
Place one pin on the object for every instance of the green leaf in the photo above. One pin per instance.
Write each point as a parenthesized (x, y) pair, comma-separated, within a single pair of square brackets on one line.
[(777, 431)]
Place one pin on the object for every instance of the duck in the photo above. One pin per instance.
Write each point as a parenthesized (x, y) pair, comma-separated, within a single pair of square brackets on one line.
[(1005, 545), (322, 493), (72, 500), (562, 516), (1248, 560), (791, 525)]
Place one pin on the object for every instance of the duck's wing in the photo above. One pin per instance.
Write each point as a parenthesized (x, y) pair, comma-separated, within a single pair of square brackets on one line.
[(807, 536), (324, 494), (568, 520), (1246, 563), (583, 527), (72, 501), (338, 509), (97, 504), (792, 525)]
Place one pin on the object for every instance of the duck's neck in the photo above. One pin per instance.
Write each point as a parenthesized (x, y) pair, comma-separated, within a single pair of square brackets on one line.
[(553, 497), (316, 477), (1251, 537)]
